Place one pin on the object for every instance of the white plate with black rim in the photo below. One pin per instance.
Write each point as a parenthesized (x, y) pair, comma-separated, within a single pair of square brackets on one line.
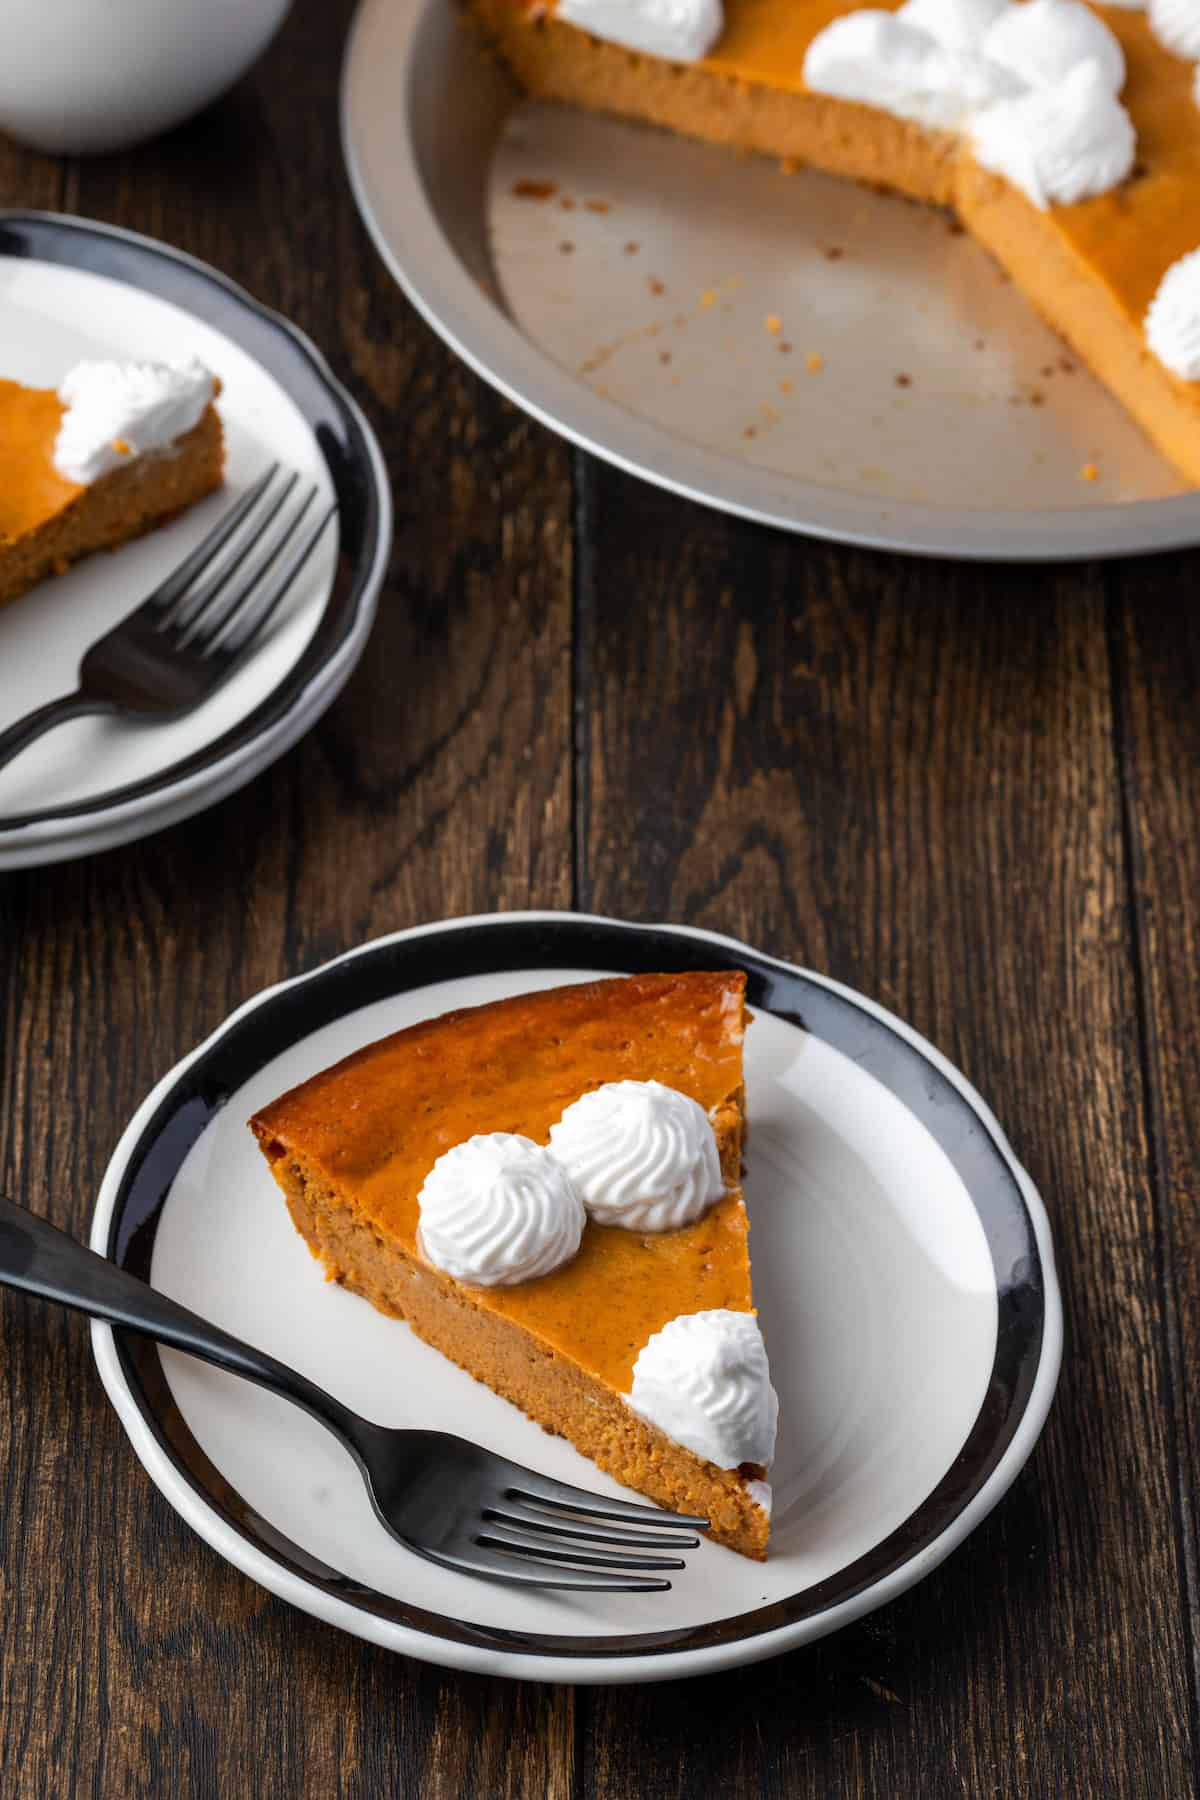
[(903, 1271), (620, 284), (71, 289)]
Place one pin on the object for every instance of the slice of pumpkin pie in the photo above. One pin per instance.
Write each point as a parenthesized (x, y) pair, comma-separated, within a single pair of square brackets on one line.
[(116, 449), (548, 1190)]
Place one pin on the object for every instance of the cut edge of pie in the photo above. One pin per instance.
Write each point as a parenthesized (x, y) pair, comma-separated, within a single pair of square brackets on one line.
[(1099, 315), (544, 1345), (75, 519)]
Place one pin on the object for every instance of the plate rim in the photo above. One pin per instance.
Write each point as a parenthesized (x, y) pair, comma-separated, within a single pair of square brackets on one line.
[(318, 674), (430, 274), (579, 1664)]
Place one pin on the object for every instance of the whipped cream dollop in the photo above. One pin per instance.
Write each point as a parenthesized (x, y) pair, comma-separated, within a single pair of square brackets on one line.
[(118, 410), (499, 1209), (680, 30), (1041, 41), (704, 1381), (1059, 144), (1176, 24), (1173, 318), (973, 65), (641, 1155), (884, 60), (954, 24), (762, 1495)]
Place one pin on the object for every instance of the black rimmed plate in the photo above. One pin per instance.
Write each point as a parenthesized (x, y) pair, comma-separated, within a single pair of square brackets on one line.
[(71, 289), (903, 1271)]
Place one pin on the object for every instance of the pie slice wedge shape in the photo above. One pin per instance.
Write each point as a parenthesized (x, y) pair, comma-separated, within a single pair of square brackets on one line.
[(351, 1149), (48, 521)]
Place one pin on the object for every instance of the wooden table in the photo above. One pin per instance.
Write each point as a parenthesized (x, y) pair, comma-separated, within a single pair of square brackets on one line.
[(971, 792)]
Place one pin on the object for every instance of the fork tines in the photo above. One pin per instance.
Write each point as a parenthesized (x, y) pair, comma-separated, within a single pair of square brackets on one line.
[(549, 1522), (260, 538)]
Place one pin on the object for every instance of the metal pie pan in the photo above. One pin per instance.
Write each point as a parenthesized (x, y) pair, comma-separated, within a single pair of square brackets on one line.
[(937, 382)]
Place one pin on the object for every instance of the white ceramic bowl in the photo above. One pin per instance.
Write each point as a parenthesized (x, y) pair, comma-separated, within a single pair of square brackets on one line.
[(93, 75)]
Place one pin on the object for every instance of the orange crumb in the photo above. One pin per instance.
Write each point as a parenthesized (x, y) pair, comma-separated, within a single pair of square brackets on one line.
[(785, 387), (121, 447), (708, 298), (814, 362), (655, 285), (631, 249), (598, 206), (773, 323), (1090, 472), (789, 166), (534, 190)]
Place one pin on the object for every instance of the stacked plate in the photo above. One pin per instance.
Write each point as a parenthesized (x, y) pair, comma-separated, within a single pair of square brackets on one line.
[(68, 290)]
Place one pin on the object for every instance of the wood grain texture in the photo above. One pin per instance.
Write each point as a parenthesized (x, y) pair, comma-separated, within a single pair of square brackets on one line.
[(905, 774), (132, 1661), (1156, 652), (971, 793)]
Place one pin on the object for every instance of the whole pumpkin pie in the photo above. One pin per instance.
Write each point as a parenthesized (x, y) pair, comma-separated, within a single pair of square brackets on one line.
[(642, 1333), (1092, 266), (115, 450)]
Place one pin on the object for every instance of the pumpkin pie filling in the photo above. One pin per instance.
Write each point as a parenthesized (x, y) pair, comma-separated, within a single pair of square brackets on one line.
[(352, 1148), (1091, 268), (48, 520)]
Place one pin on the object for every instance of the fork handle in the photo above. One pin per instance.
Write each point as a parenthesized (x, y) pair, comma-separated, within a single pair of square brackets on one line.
[(45, 718), (40, 1259)]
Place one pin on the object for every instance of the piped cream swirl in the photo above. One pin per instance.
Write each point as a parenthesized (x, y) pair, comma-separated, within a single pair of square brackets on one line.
[(704, 1381), (1040, 41), (641, 1155), (113, 411), (1176, 24), (1059, 144), (1173, 318), (883, 59), (680, 30), (499, 1209), (1034, 84)]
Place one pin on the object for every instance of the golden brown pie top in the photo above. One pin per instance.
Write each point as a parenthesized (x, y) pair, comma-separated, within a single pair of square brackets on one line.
[(375, 1124), (31, 488)]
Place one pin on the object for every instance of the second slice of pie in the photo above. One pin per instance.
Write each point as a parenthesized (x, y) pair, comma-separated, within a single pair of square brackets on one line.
[(641, 1345)]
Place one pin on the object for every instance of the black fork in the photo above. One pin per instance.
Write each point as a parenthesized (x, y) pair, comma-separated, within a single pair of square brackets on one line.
[(189, 635), (443, 1497)]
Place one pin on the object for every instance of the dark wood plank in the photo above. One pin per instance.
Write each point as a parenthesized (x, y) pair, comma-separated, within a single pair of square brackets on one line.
[(132, 1660), (904, 774), (28, 180), (1156, 648)]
